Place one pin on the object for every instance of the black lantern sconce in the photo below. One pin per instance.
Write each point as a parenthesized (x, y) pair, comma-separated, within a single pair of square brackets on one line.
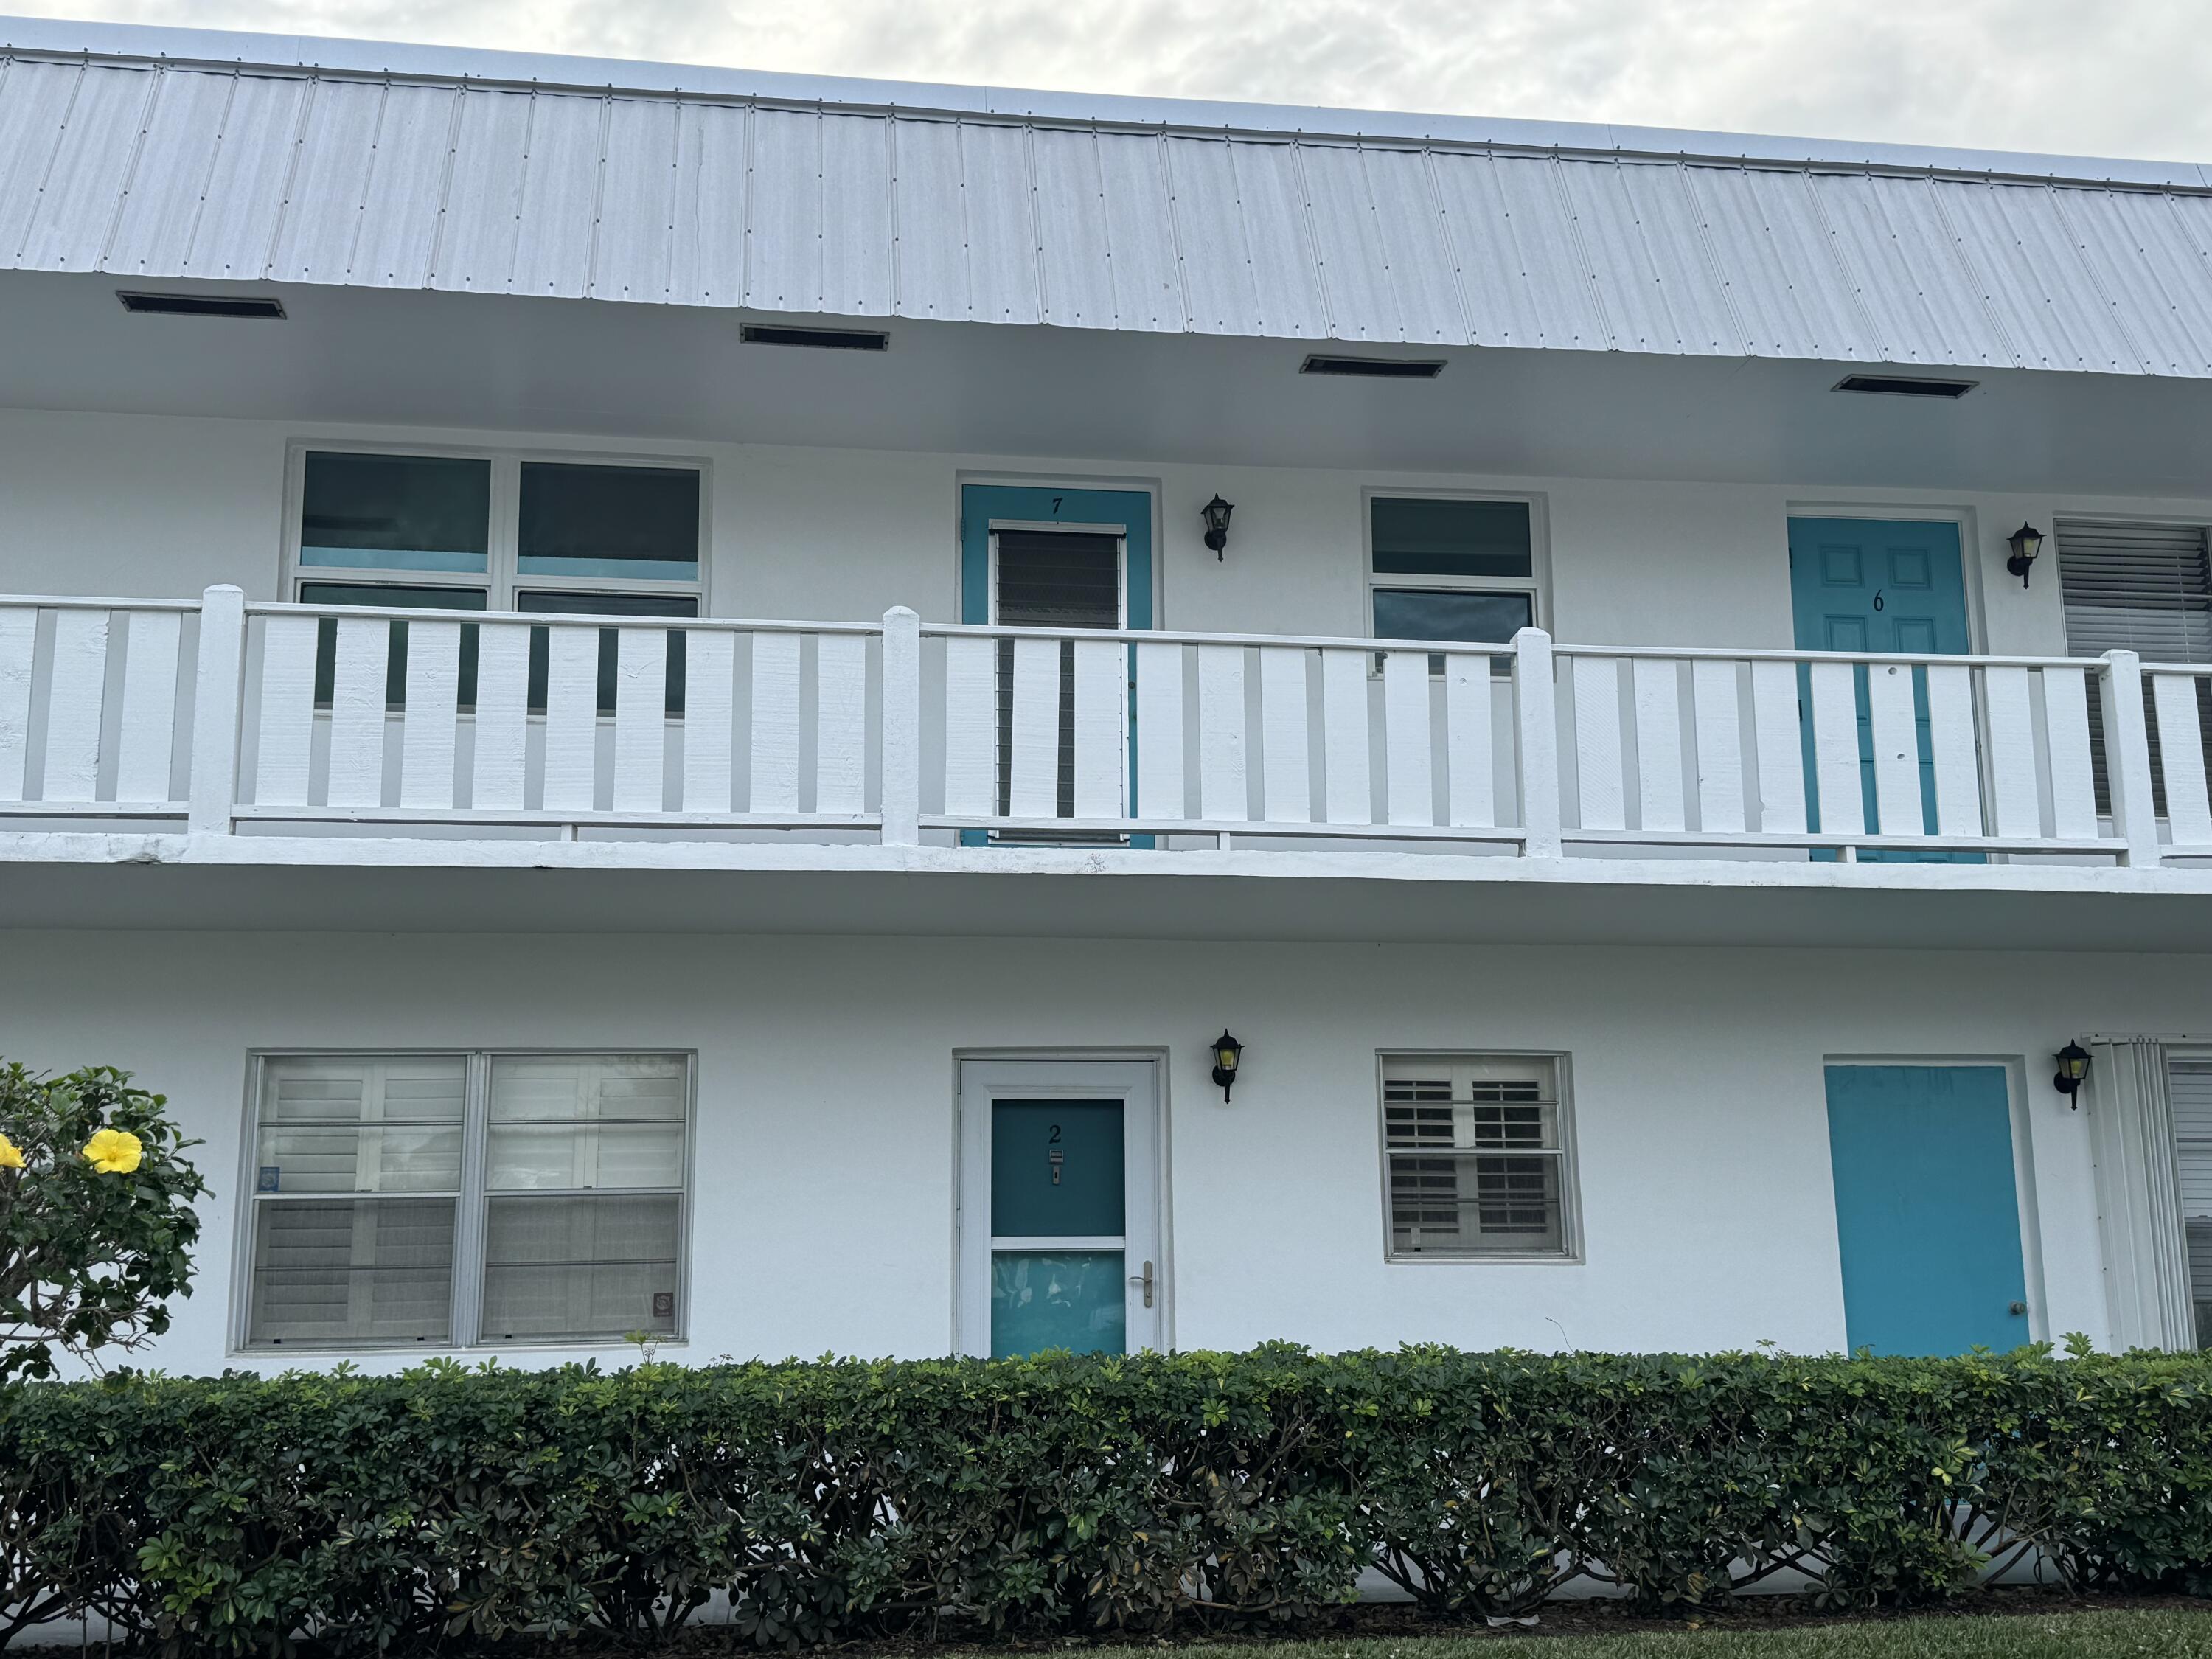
[(1227, 1052), (2073, 1071), (1216, 513), (2026, 541)]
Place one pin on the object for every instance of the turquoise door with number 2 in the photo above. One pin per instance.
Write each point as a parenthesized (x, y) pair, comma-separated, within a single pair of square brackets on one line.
[(1879, 585), (1060, 1231)]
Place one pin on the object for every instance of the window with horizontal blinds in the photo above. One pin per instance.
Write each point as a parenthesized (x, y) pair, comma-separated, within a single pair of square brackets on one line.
[(2140, 587), (375, 1224), (1476, 1156), (2190, 1087)]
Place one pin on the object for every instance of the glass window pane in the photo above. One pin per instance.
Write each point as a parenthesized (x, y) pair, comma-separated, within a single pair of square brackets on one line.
[(635, 522), (1072, 1299), (604, 604), (1482, 618), (351, 1271), (360, 1125), (1420, 537), (580, 1266), (395, 656), (585, 1121), (396, 512)]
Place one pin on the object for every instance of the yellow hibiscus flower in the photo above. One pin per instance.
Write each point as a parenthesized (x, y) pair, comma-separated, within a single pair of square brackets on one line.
[(11, 1155), (114, 1151)]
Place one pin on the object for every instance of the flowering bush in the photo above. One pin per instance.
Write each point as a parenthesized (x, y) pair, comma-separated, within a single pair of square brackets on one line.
[(96, 1225)]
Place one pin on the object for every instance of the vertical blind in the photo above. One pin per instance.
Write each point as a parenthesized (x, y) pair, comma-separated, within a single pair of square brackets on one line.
[(2140, 587), (2190, 1087)]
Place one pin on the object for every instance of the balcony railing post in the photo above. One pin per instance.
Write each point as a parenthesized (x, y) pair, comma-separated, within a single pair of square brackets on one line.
[(2127, 759), (215, 711), (1537, 731), (901, 727)]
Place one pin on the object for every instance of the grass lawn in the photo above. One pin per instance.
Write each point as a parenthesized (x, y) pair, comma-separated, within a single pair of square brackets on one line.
[(2160, 1633)]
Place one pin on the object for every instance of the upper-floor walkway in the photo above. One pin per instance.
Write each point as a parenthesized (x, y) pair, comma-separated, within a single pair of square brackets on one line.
[(822, 760)]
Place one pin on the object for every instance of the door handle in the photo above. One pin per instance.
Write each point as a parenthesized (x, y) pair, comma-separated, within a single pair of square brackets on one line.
[(1144, 1278), (2017, 1308)]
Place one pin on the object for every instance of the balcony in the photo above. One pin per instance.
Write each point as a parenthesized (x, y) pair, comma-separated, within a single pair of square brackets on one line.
[(237, 736)]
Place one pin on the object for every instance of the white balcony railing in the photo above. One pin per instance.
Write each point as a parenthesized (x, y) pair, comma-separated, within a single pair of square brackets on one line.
[(235, 718)]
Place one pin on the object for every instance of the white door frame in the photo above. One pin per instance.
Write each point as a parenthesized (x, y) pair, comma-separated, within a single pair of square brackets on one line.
[(1136, 1083)]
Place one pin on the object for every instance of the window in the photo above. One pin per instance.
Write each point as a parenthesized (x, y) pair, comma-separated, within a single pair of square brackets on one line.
[(1061, 578), (463, 1200), (1476, 1153), (2141, 587), (497, 533), (2191, 1088), (1441, 569)]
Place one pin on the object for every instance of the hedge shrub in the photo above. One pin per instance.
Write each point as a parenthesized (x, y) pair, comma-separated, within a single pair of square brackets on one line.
[(452, 1510)]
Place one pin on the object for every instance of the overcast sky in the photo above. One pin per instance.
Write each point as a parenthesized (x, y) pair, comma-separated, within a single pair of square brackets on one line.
[(2120, 77)]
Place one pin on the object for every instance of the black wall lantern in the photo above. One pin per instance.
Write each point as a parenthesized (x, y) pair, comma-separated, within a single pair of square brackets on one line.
[(1227, 1051), (1216, 513), (2026, 542), (2073, 1071)]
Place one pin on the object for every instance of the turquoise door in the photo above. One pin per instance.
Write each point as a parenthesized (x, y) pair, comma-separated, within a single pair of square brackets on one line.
[(1059, 1222), (1878, 585), (1927, 1212), (1127, 514)]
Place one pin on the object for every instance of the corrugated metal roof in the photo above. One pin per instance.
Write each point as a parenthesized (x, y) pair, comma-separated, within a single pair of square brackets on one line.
[(168, 165)]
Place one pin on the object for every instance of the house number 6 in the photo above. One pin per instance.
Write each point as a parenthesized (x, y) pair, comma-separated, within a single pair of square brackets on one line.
[(1877, 598)]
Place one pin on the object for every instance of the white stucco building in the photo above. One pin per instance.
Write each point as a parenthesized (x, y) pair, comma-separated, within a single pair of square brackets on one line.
[(613, 677)]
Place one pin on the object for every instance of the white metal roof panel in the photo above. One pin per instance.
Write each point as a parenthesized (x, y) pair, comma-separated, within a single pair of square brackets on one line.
[(411, 168)]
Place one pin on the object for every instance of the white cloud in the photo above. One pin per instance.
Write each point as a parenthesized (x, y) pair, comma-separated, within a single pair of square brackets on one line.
[(2122, 77)]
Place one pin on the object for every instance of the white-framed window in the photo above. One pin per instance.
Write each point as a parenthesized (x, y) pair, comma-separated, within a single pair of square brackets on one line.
[(1457, 568), (495, 530), (465, 1199), (1477, 1157)]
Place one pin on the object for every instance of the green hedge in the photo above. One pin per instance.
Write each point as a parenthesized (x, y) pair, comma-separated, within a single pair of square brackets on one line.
[(449, 1508)]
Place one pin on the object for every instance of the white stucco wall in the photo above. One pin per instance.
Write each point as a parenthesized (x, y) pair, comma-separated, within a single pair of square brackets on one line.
[(826, 1148), (162, 506)]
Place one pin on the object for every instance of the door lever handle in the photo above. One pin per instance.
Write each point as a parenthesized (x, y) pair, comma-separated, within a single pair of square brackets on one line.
[(1144, 1278)]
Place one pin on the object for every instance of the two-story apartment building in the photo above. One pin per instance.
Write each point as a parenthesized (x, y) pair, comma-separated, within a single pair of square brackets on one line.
[(678, 701)]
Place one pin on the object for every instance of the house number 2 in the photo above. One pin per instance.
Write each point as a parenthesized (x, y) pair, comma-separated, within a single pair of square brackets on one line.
[(1054, 1156)]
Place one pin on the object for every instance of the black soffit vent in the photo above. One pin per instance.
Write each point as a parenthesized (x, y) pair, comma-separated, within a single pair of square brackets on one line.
[(201, 305), (822, 339), (1905, 386), (1374, 368)]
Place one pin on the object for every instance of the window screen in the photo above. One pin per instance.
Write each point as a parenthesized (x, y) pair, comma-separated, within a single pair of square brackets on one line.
[(1443, 569), (370, 1228), (2191, 1091), (1477, 1161), (2145, 588), (1051, 579)]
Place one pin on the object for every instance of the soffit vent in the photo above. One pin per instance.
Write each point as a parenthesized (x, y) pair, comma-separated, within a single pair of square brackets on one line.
[(822, 339), (1905, 386), (202, 305), (1374, 368)]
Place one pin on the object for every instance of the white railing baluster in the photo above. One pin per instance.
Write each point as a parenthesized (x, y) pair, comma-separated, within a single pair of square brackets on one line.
[(286, 733), (1719, 726), (1348, 780), (2127, 758), (572, 719), (2015, 797), (641, 719), (357, 706), (2073, 779), (710, 718), (1951, 750), (428, 733), (840, 725), (211, 788), (773, 773), (1285, 742), (1781, 736), (1536, 728), (1657, 690), (1160, 731), (1471, 799), (1033, 756), (1599, 761), (1222, 797), (1899, 808), (972, 727), (901, 727), (501, 766), (1412, 795), (145, 745), (2181, 756), (76, 703), (1836, 751), (1102, 739), (19, 639)]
